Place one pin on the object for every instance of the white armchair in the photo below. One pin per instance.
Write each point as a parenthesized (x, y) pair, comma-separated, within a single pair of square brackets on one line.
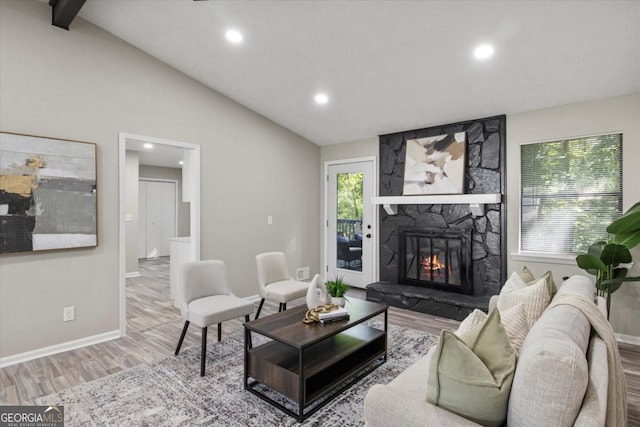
[(274, 281), (207, 299)]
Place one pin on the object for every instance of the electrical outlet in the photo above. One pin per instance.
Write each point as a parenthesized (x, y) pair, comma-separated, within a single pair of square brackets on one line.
[(302, 273), (69, 313)]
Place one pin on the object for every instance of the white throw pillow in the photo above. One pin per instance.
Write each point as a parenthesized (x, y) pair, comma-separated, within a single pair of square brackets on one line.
[(475, 318), (513, 283), (515, 323), (535, 297)]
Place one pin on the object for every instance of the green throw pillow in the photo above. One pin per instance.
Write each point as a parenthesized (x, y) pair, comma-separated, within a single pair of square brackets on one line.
[(529, 279), (471, 375), (527, 275)]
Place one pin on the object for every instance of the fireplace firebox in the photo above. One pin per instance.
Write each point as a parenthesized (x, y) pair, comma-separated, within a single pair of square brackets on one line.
[(436, 258)]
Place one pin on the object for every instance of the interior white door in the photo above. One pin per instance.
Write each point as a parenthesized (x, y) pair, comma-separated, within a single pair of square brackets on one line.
[(159, 222), (142, 219), (349, 240)]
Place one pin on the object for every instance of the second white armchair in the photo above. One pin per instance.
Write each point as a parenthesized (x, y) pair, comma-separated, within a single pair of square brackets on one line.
[(274, 281)]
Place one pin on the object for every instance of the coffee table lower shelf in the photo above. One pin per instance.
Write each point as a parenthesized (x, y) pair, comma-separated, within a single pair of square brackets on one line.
[(313, 376)]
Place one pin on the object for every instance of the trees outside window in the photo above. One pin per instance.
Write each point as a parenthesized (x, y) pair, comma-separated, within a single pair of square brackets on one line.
[(350, 195), (571, 190)]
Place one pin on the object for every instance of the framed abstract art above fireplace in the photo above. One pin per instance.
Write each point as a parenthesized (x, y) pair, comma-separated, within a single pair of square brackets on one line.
[(435, 165), (47, 193)]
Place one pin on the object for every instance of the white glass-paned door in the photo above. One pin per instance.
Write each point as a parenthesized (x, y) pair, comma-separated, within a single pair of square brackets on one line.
[(349, 239)]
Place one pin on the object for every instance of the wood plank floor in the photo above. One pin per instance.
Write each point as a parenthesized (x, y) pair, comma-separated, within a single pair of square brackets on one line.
[(154, 325)]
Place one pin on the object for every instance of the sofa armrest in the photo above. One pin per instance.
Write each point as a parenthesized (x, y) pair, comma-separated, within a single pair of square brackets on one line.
[(385, 406), (593, 411)]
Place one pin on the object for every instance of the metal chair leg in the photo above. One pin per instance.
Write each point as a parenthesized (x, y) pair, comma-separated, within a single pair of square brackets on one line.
[(203, 355), (219, 332), (280, 308), (284, 306), (259, 308), (246, 319), (184, 332)]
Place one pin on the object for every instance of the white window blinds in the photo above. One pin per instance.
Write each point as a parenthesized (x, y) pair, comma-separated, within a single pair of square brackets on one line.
[(570, 191)]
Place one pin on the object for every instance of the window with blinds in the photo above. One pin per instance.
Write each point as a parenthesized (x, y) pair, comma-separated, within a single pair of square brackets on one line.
[(570, 191)]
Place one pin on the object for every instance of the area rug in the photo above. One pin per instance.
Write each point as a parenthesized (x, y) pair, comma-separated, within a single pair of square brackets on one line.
[(171, 392)]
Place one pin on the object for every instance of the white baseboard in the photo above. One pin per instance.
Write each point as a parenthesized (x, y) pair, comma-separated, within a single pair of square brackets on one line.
[(58, 348), (628, 339), (132, 274)]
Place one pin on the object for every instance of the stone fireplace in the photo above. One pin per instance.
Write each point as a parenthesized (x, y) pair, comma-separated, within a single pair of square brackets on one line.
[(478, 261)]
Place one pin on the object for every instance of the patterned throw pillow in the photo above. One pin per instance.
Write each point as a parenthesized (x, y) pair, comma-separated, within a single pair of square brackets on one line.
[(516, 325), (475, 318), (534, 297)]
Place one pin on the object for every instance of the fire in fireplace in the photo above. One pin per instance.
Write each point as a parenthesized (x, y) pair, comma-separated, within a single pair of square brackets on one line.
[(436, 258)]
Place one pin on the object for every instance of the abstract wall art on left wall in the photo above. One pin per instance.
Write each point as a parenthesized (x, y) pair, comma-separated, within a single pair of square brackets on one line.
[(47, 193)]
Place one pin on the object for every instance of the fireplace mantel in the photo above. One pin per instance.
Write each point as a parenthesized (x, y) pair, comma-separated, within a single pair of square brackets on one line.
[(476, 202)]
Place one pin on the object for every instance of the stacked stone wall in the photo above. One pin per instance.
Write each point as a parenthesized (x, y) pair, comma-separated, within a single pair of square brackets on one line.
[(485, 174)]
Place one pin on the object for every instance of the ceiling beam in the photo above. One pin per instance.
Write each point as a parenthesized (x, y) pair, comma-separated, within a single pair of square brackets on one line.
[(63, 12)]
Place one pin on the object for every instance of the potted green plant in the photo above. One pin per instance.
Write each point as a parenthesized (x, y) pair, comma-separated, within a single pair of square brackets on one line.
[(603, 259), (336, 289)]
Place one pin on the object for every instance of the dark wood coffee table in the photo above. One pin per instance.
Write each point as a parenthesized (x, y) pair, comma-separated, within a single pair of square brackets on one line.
[(312, 364)]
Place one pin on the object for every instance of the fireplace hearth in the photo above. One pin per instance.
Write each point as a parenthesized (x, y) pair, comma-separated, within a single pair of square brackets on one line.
[(436, 258)]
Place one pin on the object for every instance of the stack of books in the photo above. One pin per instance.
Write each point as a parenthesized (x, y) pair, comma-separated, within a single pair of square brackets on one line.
[(333, 316)]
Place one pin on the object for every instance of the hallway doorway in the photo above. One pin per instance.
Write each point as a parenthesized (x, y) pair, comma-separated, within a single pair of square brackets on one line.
[(187, 165)]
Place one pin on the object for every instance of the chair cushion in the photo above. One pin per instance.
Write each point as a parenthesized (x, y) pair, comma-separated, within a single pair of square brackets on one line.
[(216, 309), (471, 375), (286, 290)]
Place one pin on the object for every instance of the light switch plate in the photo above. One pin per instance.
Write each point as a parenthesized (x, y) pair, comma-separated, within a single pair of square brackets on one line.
[(69, 313)]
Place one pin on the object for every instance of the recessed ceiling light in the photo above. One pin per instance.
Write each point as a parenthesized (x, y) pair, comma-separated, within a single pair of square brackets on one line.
[(483, 51), (234, 36), (148, 145), (321, 98), (181, 162)]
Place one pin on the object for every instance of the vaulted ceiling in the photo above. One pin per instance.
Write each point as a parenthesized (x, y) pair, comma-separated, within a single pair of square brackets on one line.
[(388, 66)]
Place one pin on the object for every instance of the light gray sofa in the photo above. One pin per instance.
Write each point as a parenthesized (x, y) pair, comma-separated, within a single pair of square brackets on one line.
[(560, 380)]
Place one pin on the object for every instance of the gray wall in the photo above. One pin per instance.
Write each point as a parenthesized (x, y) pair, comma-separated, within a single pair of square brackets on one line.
[(87, 85), (131, 201)]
